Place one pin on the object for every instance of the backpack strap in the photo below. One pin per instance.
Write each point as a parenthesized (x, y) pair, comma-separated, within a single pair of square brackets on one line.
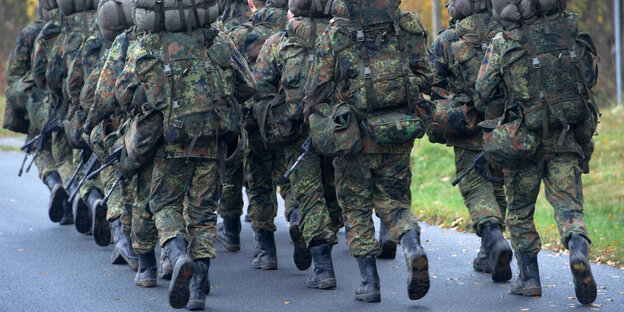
[(159, 15), (360, 39), (404, 63), (536, 66), (183, 20), (121, 14)]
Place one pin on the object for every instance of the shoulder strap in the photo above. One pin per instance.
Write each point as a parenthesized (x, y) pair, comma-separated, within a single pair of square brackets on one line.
[(537, 68)]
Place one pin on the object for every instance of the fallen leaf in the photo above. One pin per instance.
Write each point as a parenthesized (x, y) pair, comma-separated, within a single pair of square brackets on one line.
[(433, 276), (525, 309), (20, 249), (481, 283), (116, 299), (609, 299), (603, 287), (287, 302), (453, 278), (621, 293), (549, 286), (445, 179), (572, 298), (395, 267)]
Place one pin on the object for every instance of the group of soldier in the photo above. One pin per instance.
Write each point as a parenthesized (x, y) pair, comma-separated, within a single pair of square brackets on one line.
[(145, 130)]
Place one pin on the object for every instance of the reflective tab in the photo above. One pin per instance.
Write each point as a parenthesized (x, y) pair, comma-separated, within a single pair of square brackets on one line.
[(167, 70), (311, 58), (177, 124), (360, 35), (368, 73), (581, 87), (536, 63)]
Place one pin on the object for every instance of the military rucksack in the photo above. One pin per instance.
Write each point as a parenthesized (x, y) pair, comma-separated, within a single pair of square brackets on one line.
[(114, 16), (69, 7), (546, 74), (184, 77), (174, 15)]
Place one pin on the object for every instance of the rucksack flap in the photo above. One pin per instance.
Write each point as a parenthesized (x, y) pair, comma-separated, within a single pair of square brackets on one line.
[(507, 141), (37, 109), (69, 7), (394, 128), (335, 131), (156, 15)]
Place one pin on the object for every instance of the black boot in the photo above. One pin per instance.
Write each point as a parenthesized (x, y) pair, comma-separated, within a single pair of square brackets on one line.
[(58, 196), (123, 252), (146, 275), (228, 233), (82, 215), (369, 288), (323, 276), (528, 283), (166, 268), (417, 265), (68, 216), (387, 245), (499, 251), (482, 262), (266, 253), (301, 256), (584, 283), (183, 270), (100, 228), (200, 285)]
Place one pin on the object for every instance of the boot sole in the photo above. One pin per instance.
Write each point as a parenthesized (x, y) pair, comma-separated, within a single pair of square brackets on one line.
[(196, 305), (148, 283), (388, 250), (101, 229), (369, 297), (584, 283), (418, 278), (481, 267), (528, 292), (301, 256), (229, 247), (271, 265), (329, 283), (179, 288), (69, 218), (55, 208), (82, 220), (501, 257)]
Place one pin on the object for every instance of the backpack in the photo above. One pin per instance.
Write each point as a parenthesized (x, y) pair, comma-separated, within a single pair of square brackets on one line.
[(183, 76), (17, 95), (69, 7), (174, 15), (546, 75)]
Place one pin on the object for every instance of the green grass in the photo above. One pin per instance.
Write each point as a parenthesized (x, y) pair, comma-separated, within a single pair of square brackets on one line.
[(435, 201)]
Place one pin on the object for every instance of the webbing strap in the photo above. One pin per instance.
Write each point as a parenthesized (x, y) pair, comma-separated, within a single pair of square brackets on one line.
[(159, 15), (371, 96), (536, 66), (195, 15), (404, 63), (183, 21), (121, 14)]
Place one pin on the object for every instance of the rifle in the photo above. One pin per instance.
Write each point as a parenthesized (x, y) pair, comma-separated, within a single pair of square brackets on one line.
[(109, 161), (39, 141), (88, 167), (85, 153), (27, 151), (306, 149), (120, 178), (479, 163)]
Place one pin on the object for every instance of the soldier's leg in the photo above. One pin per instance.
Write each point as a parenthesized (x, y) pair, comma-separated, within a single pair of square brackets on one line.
[(48, 172), (63, 156), (564, 191), (329, 191), (522, 184), (120, 223), (144, 234), (480, 198), (231, 205), (45, 162)]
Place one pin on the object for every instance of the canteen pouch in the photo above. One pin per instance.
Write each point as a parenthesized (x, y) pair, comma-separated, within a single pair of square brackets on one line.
[(335, 132), (506, 143), (142, 137), (395, 128)]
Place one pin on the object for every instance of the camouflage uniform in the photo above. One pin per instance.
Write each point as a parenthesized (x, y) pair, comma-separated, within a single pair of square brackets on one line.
[(378, 177), (236, 12), (312, 181), (262, 167), (555, 164), (179, 186), (485, 200)]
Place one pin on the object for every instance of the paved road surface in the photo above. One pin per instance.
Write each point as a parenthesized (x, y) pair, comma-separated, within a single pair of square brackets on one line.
[(46, 267)]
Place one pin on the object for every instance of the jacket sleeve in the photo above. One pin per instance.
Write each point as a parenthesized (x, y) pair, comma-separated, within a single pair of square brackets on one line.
[(320, 84), (266, 71), (490, 84), (245, 84)]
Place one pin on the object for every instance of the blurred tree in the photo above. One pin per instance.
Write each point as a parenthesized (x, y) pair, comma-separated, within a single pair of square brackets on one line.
[(14, 14)]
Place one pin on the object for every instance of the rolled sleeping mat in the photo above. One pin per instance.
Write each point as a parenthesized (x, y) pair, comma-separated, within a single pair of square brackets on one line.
[(312, 8), (114, 16), (460, 9), (69, 7), (148, 19)]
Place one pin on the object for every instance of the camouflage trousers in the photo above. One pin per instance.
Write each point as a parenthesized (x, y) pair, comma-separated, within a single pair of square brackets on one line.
[(231, 201), (564, 190), (45, 162), (88, 185), (62, 155), (183, 198), (380, 182), (265, 172), (313, 186), (144, 233), (119, 205), (485, 201)]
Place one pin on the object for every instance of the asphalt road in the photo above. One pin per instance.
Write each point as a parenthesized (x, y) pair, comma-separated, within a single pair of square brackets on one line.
[(47, 267)]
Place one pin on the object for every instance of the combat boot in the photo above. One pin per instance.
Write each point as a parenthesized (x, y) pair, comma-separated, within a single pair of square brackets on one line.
[(528, 283), (146, 275), (228, 233), (386, 244), (323, 276), (301, 256), (584, 283), (369, 288), (499, 252), (482, 262), (122, 251), (100, 227), (68, 216), (266, 253), (417, 265), (166, 269), (200, 285), (183, 270), (58, 196), (82, 215)]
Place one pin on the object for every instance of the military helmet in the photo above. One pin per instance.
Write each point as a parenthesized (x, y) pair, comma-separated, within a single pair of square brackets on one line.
[(460, 9), (312, 8), (114, 16)]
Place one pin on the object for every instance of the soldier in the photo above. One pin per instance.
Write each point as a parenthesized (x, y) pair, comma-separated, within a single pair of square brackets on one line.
[(264, 168), (280, 71), (386, 41), (456, 56), (173, 65), (235, 13), (551, 66)]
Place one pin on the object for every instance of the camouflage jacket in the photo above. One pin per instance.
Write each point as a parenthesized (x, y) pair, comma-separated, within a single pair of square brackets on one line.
[(322, 84), (443, 76), (105, 101), (21, 56), (235, 14), (42, 51), (491, 84), (278, 68), (250, 37), (221, 50)]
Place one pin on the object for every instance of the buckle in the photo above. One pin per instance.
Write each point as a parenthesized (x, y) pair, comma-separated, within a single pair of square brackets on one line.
[(581, 87), (167, 70), (311, 58), (208, 66), (360, 35), (536, 63), (574, 57), (177, 124), (542, 95), (176, 104), (368, 73)]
